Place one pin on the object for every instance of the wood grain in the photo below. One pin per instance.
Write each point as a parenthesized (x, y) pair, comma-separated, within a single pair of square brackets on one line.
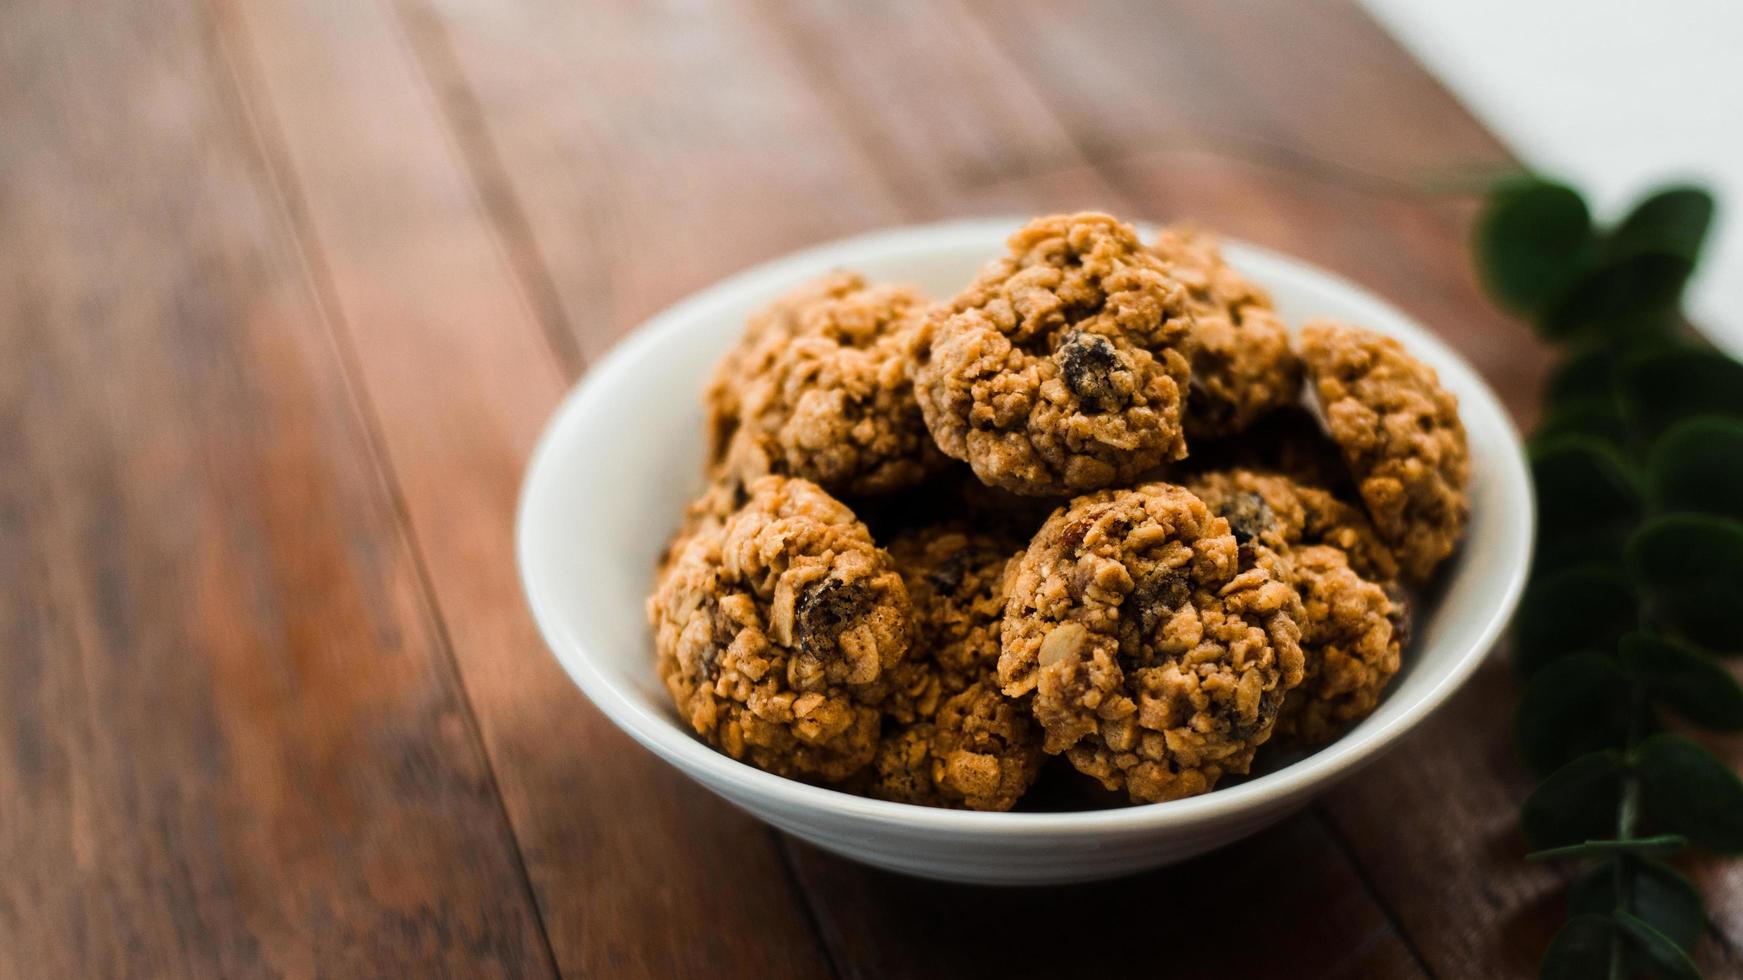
[(232, 743), (637, 872), (288, 291), (1239, 912), (653, 146)]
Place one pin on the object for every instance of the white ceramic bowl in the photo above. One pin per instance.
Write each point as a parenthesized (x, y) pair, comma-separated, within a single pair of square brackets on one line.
[(622, 456)]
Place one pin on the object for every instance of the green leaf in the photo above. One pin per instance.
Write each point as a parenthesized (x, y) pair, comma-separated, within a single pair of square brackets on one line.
[(1658, 893), (1672, 221), (1599, 546), (1602, 421), (1587, 375), (1660, 953), (1581, 481), (1690, 569), (1582, 608), (1698, 465), (1684, 680), (1576, 804), (1533, 238), (1573, 706), (1580, 950), (1604, 848), (1663, 387), (1623, 296), (1685, 790)]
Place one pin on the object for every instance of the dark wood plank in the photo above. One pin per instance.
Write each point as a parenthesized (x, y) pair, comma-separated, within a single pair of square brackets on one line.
[(938, 108), (653, 147), (1334, 92), (1283, 903), (1309, 86), (231, 741), (637, 872)]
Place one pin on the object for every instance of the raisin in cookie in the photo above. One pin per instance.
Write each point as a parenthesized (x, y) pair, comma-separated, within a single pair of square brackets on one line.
[(777, 630), (819, 389), (1242, 366), (958, 741), (1284, 513), (1354, 618), (1062, 367), (1401, 435), (1156, 648)]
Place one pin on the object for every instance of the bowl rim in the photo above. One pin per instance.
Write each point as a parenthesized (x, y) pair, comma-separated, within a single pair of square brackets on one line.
[(666, 738)]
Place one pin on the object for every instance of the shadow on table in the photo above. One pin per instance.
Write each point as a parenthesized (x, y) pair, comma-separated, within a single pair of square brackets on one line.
[(1284, 902)]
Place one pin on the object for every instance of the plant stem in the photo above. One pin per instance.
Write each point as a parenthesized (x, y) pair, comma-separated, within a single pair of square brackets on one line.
[(1628, 819)]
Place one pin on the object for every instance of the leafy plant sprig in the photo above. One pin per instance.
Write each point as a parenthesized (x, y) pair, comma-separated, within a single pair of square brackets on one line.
[(1637, 584)]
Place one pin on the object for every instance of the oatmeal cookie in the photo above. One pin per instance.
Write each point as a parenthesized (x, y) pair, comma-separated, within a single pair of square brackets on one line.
[(960, 742), (1062, 367), (1283, 514), (766, 334), (1242, 366), (1352, 650), (982, 751), (1355, 616), (777, 629), (1157, 649), (956, 586), (819, 389), (1401, 435)]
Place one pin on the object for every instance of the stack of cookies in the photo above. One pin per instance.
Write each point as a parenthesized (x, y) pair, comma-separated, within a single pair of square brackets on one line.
[(1096, 506)]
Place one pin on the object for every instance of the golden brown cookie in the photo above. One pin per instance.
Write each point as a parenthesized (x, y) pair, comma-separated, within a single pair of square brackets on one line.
[(1284, 513), (955, 578), (1354, 617), (1242, 366), (957, 741), (1062, 367), (982, 751), (777, 630), (1156, 648), (1401, 435), (819, 389), (766, 333), (1352, 651)]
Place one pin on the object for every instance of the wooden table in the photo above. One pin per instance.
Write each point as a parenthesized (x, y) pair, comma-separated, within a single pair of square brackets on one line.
[(287, 290)]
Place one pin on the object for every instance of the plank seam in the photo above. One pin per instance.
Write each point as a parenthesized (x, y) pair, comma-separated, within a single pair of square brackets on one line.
[(830, 955), (458, 105), (1262, 153), (892, 178), (1369, 887), (252, 103)]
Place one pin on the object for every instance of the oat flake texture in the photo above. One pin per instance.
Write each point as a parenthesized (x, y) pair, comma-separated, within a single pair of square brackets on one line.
[(777, 630), (1062, 367), (1401, 435), (1156, 648), (956, 740)]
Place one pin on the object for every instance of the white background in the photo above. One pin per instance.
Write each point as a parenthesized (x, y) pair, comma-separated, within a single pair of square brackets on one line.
[(1613, 96)]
